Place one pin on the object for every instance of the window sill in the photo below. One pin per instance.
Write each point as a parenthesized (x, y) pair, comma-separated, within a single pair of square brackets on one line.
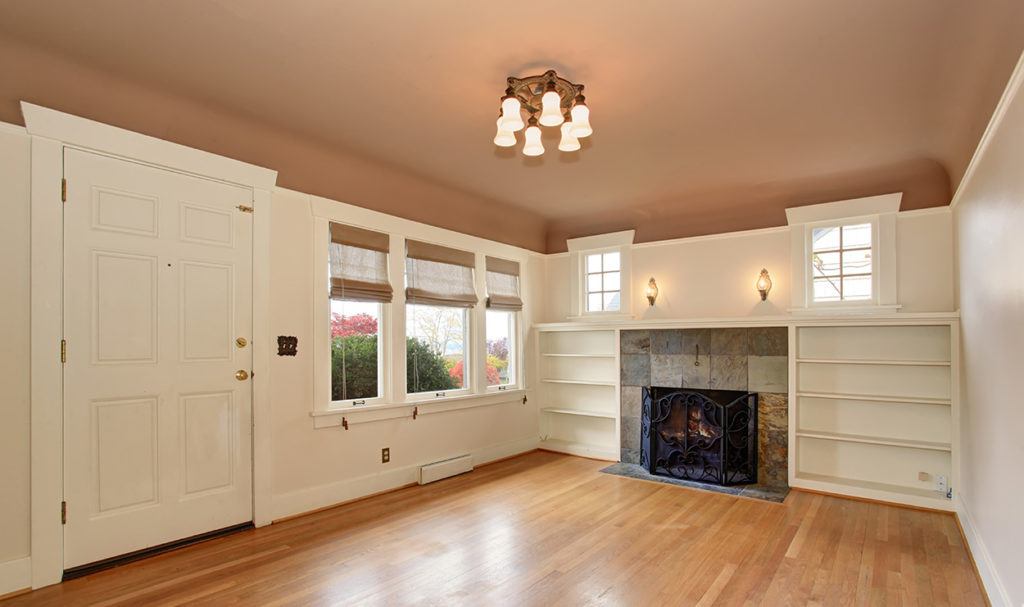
[(332, 418)]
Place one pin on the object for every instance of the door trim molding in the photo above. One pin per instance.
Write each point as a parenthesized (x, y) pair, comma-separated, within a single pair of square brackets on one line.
[(50, 132)]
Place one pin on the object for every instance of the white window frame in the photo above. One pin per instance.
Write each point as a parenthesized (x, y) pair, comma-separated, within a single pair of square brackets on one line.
[(469, 364), (809, 256), (322, 372), (579, 249), (585, 275), (880, 212), (514, 354), (382, 361)]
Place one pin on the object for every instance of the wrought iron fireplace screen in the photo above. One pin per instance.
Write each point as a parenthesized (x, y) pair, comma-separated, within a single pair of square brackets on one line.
[(701, 435)]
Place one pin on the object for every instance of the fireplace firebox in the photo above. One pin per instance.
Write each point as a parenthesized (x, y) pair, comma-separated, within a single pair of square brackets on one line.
[(707, 436)]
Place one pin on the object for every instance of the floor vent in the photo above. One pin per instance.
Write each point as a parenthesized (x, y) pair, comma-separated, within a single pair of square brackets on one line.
[(445, 468)]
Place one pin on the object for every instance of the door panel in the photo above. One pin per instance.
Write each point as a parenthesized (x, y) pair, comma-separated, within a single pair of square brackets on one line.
[(157, 287)]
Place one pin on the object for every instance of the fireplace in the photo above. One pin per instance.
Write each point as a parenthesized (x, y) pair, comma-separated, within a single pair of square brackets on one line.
[(708, 436)]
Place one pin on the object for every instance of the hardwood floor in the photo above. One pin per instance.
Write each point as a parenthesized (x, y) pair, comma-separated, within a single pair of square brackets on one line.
[(548, 529)]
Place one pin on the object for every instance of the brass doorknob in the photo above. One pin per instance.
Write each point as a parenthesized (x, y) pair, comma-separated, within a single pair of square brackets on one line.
[(241, 342), (242, 375)]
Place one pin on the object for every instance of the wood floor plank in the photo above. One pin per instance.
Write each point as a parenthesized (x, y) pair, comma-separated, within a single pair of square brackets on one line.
[(549, 529)]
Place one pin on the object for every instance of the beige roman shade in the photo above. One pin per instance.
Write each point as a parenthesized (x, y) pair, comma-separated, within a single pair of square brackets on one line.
[(438, 276), (359, 264), (503, 284)]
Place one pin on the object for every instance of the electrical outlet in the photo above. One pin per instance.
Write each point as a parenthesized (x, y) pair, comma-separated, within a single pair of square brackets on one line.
[(385, 455), (940, 484)]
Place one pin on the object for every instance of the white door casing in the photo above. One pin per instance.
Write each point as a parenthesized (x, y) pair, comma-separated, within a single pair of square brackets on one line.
[(157, 288)]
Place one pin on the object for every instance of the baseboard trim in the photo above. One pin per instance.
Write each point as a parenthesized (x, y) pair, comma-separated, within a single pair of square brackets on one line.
[(321, 497), (983, 565), (15, 577)]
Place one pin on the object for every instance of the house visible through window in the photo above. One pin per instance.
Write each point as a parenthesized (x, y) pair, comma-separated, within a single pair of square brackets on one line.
[(603, 281), (841, 264)]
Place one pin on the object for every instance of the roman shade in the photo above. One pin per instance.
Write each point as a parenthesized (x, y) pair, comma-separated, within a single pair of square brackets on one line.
[(438, 276), (503, 284), (359, 264)]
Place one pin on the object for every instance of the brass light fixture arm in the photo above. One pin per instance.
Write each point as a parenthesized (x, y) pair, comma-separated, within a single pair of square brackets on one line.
[(530, 89)]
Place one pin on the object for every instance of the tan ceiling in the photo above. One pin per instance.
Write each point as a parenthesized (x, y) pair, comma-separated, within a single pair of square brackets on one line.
[(708, 116)]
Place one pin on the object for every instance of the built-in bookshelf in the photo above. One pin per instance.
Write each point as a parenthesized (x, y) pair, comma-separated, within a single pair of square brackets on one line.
[(875, 410), (579, 391)]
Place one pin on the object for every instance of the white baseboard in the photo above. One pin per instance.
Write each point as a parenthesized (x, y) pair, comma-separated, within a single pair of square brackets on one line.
[(15, 575), (997, 594), (322, 496)]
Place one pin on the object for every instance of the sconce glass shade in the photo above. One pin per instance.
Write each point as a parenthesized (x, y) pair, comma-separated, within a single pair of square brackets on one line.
[(569, 143), (652, 291), (505, 138), (511, 119), (551, 109), (533, 146), (764, 284), (581, 120)]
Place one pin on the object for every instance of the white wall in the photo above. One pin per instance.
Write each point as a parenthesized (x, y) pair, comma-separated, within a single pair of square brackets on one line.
[(989, 222), (14, 355), (313, 468), (714, 276)]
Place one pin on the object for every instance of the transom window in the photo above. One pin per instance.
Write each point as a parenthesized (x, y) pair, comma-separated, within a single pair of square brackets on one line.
[(841, 264), (604, 282)]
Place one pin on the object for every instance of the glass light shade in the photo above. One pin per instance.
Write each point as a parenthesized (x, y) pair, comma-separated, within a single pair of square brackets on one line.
[(551, 109), (533, 145), (511, 119), (764, 284), (652, 291), (581, 120), (569, 143), (505, 138)]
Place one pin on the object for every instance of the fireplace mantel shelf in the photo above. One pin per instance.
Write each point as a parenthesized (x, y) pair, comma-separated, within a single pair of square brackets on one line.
[(899, 318)]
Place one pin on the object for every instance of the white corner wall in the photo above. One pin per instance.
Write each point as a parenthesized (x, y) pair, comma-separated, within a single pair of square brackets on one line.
[(714, 276), (14, 359), (989, 222), (313, 468)]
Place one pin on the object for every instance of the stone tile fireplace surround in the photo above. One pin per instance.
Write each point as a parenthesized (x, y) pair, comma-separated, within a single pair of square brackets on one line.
[(750, 359)]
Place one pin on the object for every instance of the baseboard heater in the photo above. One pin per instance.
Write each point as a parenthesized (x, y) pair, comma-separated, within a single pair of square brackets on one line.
[(446, 468)]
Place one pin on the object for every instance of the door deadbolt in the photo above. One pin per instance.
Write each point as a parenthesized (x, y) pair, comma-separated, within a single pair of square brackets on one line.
[(241, 375), (240, 342)]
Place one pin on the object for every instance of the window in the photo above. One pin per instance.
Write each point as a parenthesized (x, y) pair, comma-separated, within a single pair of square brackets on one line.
[(439, 293), (355, 350), (436, 339), (841, 263), (603, 282), (503, 306), (501, 348), (359, 287)]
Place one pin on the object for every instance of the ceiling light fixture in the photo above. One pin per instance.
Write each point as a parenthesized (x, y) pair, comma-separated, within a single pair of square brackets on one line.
[(550, 100)]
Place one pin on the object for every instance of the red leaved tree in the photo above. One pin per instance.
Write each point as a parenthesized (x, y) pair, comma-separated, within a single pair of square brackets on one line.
[(357, 324), (492, 374)]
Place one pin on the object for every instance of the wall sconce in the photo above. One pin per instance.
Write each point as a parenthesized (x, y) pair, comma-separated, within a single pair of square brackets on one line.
[(652, 291), (764, 284)]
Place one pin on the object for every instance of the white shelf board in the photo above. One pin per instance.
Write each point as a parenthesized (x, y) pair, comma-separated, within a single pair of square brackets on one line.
[(875, 440), (554, 354), (583, 412), (584, 382), (886, 492), (858, 361), (580, 449), (877, 398)]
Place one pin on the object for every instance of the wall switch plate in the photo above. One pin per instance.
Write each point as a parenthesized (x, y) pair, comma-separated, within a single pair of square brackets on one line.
[(385, 455), (940, 484), (924, 476)]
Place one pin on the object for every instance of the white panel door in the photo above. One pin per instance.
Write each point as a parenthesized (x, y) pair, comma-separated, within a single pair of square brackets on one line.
[(157, 289)]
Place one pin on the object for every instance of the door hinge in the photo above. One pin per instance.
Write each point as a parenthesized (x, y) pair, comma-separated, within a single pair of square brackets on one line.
[(63, 189), (244, 208), (63, 350), (63, 513)]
